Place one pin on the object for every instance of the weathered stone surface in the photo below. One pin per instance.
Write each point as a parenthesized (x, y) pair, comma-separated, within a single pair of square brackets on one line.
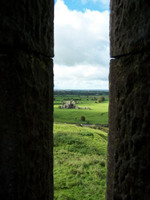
[(129, 26), (129, 128), (27, 25), (26, 99), (112, 132), (128, 148), (26, 141)]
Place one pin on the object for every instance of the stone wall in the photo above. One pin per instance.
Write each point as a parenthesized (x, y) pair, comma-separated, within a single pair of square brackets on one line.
[(26, 94), (129, 138)]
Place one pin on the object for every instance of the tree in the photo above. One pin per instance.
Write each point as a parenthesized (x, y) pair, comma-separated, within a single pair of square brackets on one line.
[(82, 118), (99, 100), (103, 98)]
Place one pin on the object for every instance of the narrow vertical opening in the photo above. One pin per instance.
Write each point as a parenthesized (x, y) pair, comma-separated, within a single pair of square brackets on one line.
[(81, 98)]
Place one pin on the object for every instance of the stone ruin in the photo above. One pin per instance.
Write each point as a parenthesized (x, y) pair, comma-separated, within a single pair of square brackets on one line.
[(68, 105), (72, 105)]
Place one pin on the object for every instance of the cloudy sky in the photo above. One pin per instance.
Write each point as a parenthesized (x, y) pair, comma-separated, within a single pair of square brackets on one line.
[(81, 44)]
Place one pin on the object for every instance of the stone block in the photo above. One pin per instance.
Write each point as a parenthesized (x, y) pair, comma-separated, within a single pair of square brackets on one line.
[(129, 26), (26, 140), (27, 25), (129, 127)]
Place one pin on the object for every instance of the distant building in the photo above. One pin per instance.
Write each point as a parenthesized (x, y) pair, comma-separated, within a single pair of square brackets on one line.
[(69, 104), (72, 105)]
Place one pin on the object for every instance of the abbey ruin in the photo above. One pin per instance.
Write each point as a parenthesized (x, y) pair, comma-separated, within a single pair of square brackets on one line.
[(72, 105)]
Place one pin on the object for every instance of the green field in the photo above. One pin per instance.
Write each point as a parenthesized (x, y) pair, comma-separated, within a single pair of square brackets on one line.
[(80, 152), (80, 163), (97, 115)]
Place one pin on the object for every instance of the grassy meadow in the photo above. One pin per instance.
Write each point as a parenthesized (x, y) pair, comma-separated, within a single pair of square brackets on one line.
[(80, 163), (80, 152), (97, 115)]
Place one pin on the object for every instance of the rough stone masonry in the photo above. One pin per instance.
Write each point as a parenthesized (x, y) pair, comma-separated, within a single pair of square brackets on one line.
[(129, 111), (26, 94)]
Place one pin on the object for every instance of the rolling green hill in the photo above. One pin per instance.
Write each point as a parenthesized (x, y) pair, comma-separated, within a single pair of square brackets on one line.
[(80, 163)]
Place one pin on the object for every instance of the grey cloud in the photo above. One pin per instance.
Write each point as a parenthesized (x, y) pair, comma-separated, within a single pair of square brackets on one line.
[(73, 48)]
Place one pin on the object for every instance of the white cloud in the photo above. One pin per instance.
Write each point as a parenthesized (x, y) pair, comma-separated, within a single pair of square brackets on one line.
[(81, 72), (81, 48), (81, 77)]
